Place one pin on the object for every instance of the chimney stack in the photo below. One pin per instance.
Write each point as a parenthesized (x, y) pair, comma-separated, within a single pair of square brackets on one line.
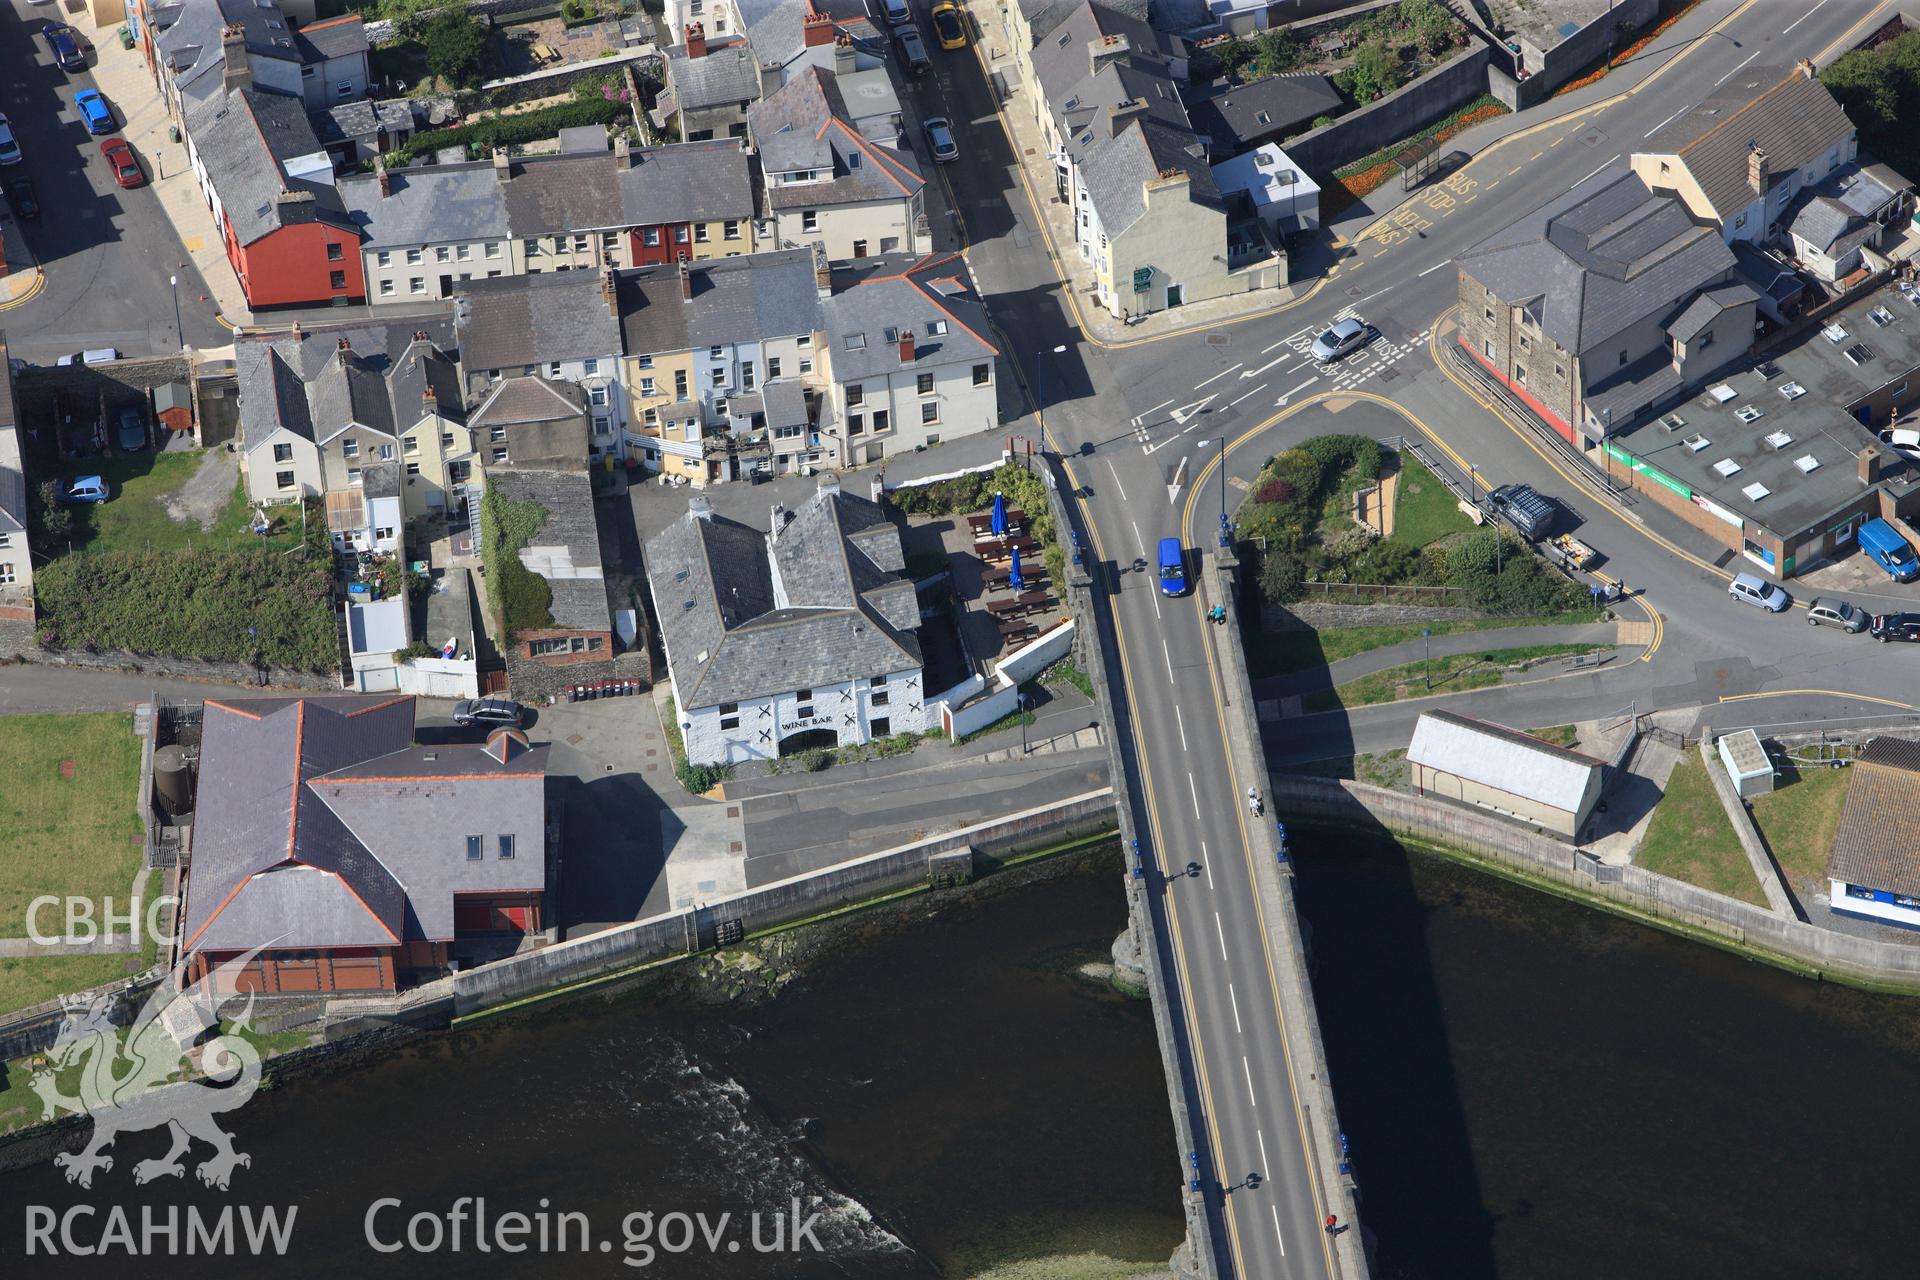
[(296, 330), (621, 147), (344, 343), (1757, 171), (696, 40), (1870, 465), (906, 346), (843, 55), (700, 508), (1104, 50), (779, 519), (380, 176), (502, 164), (1123, 113), (686, 282), (609, 293), (1805, 67), (816, 29), (235, 71), (830, 487), (429, 402)]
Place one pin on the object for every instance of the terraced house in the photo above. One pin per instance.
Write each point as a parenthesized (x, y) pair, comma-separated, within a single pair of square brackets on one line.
[(562, 326)]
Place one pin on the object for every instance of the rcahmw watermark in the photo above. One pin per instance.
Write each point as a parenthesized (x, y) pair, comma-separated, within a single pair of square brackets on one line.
[(466, 1225), (158, 1231), (77, 914)]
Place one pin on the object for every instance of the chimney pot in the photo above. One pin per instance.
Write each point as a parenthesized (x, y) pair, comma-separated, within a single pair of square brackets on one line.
[(345, 344), (696, 40), (816, 29)]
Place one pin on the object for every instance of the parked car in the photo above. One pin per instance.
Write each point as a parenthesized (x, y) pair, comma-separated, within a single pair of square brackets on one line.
[(20, 196), (492, 712), (940, 138), (66, 49), (949, 28), (1342, 339), (87, 489), (133, 430), (1829, 611), (912, 48), (1904, 441), (1896, 626), (94, 111), (125, 165), (9, 145), (894, 12), (1528, 512), (1749, 589), (93, 355)]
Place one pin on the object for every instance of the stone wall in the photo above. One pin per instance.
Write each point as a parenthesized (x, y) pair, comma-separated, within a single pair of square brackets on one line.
[(1306, 616), (16, 637), (1447, 87), (237, 673), (1572, 57)]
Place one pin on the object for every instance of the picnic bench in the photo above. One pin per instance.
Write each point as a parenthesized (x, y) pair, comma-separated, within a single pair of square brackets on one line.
[(1002, 607), (984, 519), (1018, 627), (1033, 599)]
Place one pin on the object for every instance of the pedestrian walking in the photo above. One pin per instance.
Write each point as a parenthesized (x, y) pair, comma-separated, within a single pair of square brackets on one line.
[(1331, 1221)]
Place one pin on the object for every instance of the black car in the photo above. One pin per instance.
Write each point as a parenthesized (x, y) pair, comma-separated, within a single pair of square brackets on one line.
[(20, 195), (492, 712), (1895, 626), (66, 48)]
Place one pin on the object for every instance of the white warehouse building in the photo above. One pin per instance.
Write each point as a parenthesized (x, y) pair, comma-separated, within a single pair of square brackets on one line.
[(783, 641)]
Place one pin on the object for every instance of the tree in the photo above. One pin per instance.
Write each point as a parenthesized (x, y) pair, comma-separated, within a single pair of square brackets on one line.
[(1274, 52), (1375, 71), (1431, 26), (455, 41), (55, 519), (1282, 578)]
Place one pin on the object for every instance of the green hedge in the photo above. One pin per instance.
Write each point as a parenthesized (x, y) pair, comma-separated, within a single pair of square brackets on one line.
[(198, 604), (482, 136), (522, 601)]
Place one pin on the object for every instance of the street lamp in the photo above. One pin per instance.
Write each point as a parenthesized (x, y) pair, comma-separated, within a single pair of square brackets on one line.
[(1040, 389), (1024, 702), (1226, 539), (1473, 486), (1426, 656), (174, 283)]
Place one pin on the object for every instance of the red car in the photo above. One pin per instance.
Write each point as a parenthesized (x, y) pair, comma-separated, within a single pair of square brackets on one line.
[(126, 169)]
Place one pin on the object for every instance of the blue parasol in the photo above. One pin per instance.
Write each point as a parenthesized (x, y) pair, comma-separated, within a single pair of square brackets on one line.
[(1013, 575), (999, 515)]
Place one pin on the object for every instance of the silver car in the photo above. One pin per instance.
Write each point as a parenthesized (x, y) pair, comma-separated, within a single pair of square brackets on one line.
[(9, 145), (1829, 611), (1342, 339), (1758, 592), (940, 138)]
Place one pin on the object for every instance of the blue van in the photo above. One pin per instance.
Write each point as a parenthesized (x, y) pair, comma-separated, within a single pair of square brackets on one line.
[(1173, 567), (1889, 550)]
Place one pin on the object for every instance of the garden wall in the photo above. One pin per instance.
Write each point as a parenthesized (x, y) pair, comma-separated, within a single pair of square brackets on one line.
[(238, 673), (1446, 88), (1303, 616)]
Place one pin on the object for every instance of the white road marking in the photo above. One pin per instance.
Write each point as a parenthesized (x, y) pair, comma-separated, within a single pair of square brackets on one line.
[(1207, 862), (1183, 726), (1248, 1068), (1236, 1021), (1223, 373), (1435, 267), (1145, 414), (1220, 931), (1803, 17), (1116, 478), (1276, 1229), (1731, 74), (1296, 391), (1186, 411), (1609, 161), (1370, 297), (1664, 123), (1237, 399), (1254, 373), (1138, 536), (1264, 1165), (1168, 655), (1195, 793)]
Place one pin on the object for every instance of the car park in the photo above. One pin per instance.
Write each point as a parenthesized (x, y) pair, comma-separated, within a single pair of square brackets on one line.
[(1831, 611), (65, 47), (1341, 340), (87, 489), (125, 165), (940, 138), (20, 195), (94, 111), (492, 712), (1896, 626), (912, 48), (9, 145), (132, 434), (1758, 592), (949, 28)]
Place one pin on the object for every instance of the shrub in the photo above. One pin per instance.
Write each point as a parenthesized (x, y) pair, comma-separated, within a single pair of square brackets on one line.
[(1282, 578), (1276, 491), (522, 601), (1387, 561), (818, 760), (1375, 71), (1321, 122), (701, 778), (454, 41)]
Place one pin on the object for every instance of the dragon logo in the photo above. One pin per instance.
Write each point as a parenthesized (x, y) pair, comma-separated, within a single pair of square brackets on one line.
[(134, 1079)]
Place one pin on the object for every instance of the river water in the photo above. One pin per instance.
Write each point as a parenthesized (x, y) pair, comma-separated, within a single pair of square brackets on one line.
[(949, 1096), (1536, 1089)]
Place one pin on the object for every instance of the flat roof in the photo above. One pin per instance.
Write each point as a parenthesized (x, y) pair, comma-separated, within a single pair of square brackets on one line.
[(1782, 421)]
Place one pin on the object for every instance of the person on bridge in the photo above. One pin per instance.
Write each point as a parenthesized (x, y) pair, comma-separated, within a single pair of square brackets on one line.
[(1217, 614), (1253, 802)]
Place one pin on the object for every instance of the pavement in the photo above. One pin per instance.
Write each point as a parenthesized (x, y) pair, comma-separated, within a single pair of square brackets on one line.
[(1443, 646)]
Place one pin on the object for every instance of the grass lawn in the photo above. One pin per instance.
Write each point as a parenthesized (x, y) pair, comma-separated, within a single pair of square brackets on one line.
[(1448, 675), (136, 518), (1424, 510), (1279, 652), (1560, 735), (1797, 820), (1690, 838), (78, 835)]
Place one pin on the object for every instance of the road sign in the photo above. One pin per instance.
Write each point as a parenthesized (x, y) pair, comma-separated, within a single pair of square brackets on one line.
[(1142, 279)]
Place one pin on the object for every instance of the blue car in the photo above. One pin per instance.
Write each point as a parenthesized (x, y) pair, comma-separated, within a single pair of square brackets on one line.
[(66, 50), (94, 110), (87, 489)]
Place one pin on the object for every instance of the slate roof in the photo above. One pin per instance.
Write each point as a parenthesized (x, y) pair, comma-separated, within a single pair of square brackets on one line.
[(804, 125), (519, 401), (1598, 259), (1876, 843), (319, 825), (745, 614), (1115, 172), (579, 598), (1705, 308), (513, 321), (273, 370), (428, 204), (729, 73), (245, 139), (653, 314), (348, 392), (189, 34), (777, 28), (363, 118), (1786, 114), (1064, 68), (1235, 116), (921, 295), (332, 38), (579, 192), (1496, 756), (687, 182), (420, 366), (753, 297)]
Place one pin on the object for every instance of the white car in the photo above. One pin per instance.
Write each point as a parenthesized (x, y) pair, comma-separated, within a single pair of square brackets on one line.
[(1904, 441), (9, 146), (1342, 339)]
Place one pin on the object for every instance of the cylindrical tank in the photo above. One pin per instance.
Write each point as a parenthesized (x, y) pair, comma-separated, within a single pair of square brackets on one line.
[(172, 785)]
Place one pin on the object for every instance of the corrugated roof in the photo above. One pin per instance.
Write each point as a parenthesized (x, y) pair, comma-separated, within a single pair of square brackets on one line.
[(1876, 843), (1495, 756)]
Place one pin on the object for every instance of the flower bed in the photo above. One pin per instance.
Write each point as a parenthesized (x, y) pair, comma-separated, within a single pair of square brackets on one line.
[(1367, 175), (1621, 58)]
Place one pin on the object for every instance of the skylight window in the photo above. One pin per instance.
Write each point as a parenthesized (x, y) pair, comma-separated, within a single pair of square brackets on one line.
[(1698, 443), (1756, 491), (1726, 468), (1859, 353), (1807, 463), (1748, 413), (1672, 421), (1792, 390), (1779, 440), (1722, 393), (1880, 316), (1835, 333)]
